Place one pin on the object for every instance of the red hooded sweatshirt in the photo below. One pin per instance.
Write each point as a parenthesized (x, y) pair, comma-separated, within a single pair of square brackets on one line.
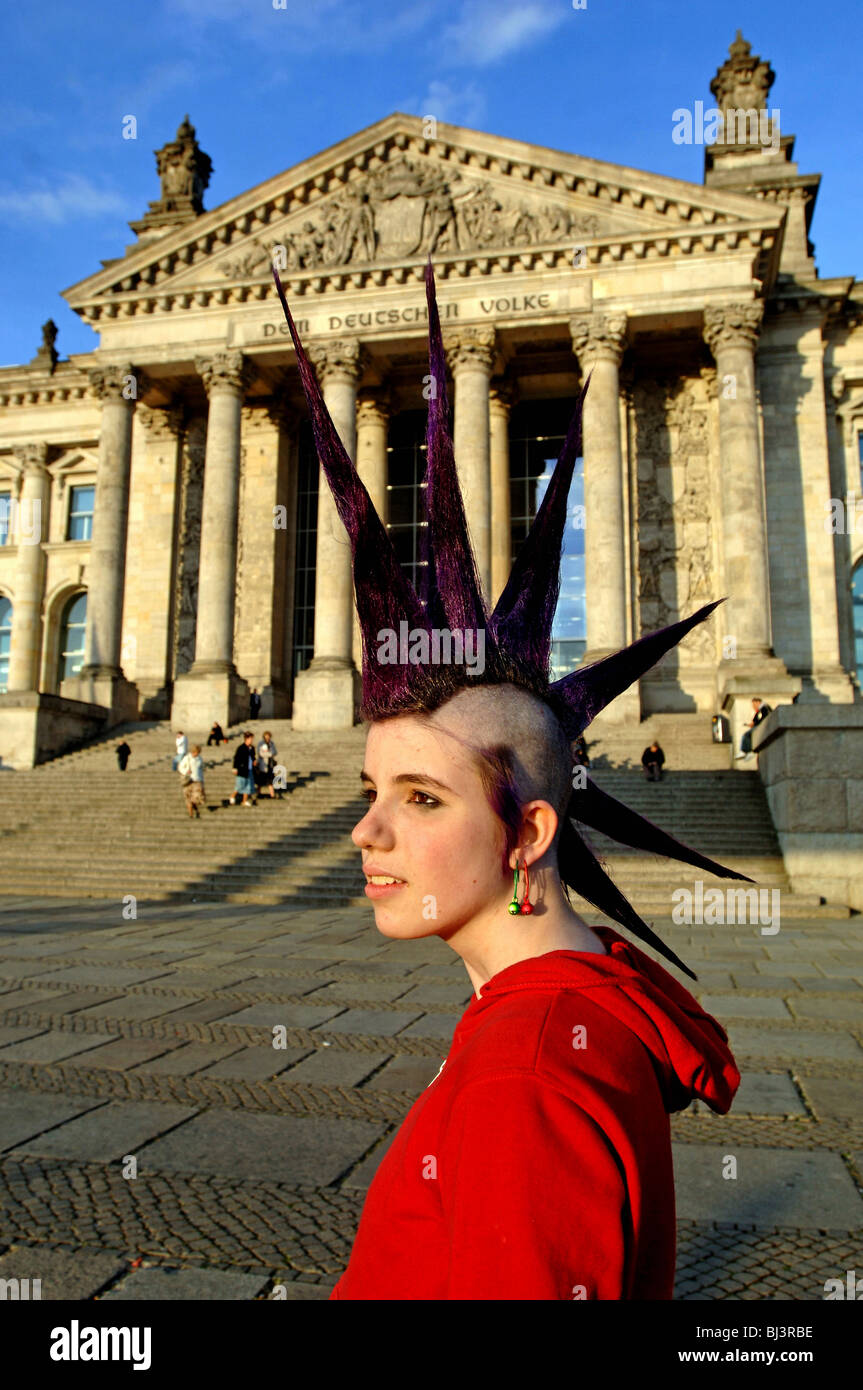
[(537, 1164)]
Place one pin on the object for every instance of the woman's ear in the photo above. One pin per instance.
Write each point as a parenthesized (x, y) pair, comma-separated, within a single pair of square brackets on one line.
[(539, 822)]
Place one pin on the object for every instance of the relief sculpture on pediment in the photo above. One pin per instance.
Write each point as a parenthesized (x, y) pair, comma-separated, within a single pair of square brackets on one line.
[(409, 209)]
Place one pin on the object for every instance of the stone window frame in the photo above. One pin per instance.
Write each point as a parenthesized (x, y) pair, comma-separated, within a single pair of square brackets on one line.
[(77, 467)]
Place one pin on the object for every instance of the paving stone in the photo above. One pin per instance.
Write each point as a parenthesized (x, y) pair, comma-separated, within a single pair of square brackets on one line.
[(209, 979), (109, 1133), (738, 1006), (331, 1068), (16, 1033), (434, 1026), (24, 969), (844, 972), (361, 1176), (186, 1285), (773, 1187), (188, 1058), (459, 995), (50, 1047), (256, 1063), (207, 1011), (105, 975), (764, 1093), (798, 969), (793, 1042), (128, 1052), (840, 1010), (313, 1150), (287, 1015), (134, 1008), (832, 1098), (295, 1292), (24, 1114), (370, 991), (781, 983), (375, 1024), (65, 1274), (405, 1074)]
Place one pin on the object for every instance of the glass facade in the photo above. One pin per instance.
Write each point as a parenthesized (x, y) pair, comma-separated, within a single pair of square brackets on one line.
[(307, 534), (81, 501), (537, 432), (406, 467), (5, 642), (72, 632)]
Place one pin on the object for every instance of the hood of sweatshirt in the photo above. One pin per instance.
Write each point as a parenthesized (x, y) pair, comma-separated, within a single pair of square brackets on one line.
[(687, 1046)]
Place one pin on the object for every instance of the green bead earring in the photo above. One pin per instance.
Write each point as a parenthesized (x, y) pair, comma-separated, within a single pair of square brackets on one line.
[(513, 908)]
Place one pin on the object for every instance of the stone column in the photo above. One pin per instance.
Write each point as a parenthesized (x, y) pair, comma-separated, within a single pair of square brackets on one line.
[(499, 405), (327, 693), (598, 342), (153, 505), (750, 668), (101, 680), (211, 689), (373, 414), (471, 353), (32, 530)]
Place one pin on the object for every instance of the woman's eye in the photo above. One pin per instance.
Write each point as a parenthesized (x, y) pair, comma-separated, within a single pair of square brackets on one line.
[(369, 792)]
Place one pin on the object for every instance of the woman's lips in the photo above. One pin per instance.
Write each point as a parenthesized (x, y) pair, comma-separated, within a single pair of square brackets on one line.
[(383, 890)]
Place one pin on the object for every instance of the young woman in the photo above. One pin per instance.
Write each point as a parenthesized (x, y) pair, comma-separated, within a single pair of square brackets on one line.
[(537, 1164)]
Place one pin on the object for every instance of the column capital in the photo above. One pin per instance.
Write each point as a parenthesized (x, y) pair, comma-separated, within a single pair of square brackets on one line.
[(733, 325), (33, 458), (471, 347), (373, 407), (339, 360), (228, 371), (598, 337), (117, 382), (501, 397), (161, 422)]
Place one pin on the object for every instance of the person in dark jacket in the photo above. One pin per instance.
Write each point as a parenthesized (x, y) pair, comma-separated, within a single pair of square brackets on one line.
[(244, 767), (124, 753), (651, 760), (580, 756), (254, 704), (760, 710), (216, 735)]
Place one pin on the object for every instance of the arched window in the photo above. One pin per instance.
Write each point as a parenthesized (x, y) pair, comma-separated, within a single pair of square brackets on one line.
[(5, 642), (72, 631), (857, 610)]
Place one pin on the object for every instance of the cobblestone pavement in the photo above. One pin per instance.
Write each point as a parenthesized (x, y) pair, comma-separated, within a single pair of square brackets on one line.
[(155, 1144)]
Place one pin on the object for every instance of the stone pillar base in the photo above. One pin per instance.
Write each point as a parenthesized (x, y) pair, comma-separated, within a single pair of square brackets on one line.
[(36, 726), (811, 763), (830, 684), (626, 708), (117, 695), (326, 697), (201, 697), (738, 684)]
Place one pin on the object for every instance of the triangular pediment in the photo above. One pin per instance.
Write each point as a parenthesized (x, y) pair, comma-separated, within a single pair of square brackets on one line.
[(395, 193)]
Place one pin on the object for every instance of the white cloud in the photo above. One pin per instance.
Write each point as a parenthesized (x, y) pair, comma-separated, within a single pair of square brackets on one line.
[(459, 104), (487, 30), (66, 200)]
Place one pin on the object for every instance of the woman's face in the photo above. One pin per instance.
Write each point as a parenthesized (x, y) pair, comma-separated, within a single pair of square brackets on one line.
[(429, 824)]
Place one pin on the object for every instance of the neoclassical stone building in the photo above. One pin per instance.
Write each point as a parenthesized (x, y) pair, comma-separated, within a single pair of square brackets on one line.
[(168, 545)]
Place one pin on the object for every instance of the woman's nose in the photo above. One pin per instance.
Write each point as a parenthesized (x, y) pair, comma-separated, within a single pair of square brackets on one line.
[(371, 830)]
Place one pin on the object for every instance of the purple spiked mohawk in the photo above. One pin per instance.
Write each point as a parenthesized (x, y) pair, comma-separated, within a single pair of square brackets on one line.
[(517, 634)]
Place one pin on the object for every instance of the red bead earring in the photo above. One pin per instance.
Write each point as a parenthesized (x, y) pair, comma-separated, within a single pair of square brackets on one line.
[(525, 908)]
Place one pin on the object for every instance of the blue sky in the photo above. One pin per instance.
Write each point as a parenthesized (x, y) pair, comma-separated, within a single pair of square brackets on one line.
[(268, 87)]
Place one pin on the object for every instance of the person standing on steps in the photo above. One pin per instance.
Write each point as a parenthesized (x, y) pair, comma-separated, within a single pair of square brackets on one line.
[(124, 753), (244, 767), (182, 749), (254, 704), (267, 754), (191, 769)]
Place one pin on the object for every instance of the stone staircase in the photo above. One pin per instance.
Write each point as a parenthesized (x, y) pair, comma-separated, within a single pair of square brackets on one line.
[(78, 827)]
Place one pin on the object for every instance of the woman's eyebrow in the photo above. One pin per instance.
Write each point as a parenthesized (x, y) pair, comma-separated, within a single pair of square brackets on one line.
[(413, 777)]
